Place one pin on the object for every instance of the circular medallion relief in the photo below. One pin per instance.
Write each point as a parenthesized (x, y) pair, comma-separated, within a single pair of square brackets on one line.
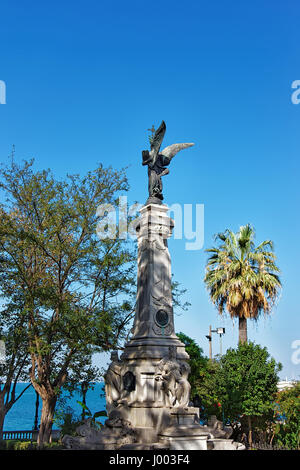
[(162, 318)]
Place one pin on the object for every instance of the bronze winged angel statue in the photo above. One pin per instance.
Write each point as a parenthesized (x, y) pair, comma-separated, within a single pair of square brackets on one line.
[(158, 161)]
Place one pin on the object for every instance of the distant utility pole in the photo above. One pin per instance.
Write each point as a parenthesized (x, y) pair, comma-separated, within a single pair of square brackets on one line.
[(220, 331), (209, 337)]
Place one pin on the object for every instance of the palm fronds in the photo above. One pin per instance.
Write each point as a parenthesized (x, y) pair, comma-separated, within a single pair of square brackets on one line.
[(242, 278)]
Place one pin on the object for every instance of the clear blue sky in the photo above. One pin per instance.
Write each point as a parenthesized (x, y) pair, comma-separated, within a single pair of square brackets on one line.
[(85, 80)]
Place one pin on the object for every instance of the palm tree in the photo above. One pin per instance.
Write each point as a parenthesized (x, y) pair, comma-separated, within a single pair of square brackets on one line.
[(242, 278)]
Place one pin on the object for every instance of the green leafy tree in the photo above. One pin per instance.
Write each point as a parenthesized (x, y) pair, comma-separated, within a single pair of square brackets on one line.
[(75, 289), (202, 378), (66, 419), (242, 278), (197, 363), (81, 379), (287, 411), (178, 293), (207, 390), (247, 385)]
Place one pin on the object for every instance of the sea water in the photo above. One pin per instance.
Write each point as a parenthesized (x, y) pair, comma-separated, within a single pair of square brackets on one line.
[(22, 414)]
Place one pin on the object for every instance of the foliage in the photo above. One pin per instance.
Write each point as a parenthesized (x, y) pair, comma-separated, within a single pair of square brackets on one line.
[(151, 136), (66, 420), (81, 378), (15, 368), (202, 378), (247, 380), (92, 416), (197, 362), (12, 444), (73, 290), (247, 384), (287, 412), (177, 296), (242, 278), (208, 392), (241, 386)]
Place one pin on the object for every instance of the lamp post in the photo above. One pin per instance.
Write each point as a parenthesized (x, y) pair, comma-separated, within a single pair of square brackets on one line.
[(209, 337), (220, 331)]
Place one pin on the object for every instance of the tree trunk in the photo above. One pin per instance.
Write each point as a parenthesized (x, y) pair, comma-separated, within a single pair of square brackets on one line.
[(249, 431), (36, 416), (242, 330), (2, 417), (46, 423)]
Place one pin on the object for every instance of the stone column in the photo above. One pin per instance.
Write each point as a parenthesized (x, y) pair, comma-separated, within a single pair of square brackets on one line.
[(153, 329), (154, 355)]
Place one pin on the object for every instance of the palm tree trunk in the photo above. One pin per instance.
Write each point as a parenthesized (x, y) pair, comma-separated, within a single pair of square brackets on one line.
[(242, 330)]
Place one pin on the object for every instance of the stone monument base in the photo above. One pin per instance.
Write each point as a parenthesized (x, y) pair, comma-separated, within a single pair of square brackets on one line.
[(183, 433)]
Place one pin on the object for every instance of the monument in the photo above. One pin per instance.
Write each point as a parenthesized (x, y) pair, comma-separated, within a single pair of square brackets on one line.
[(147, 388)]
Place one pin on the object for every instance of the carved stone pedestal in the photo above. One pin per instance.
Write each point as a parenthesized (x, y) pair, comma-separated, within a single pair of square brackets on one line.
[(184, 432)]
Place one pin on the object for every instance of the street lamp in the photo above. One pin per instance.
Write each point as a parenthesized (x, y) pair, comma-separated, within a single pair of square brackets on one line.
[(220, 332)]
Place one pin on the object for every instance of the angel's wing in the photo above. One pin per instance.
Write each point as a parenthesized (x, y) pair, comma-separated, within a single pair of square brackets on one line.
[(171, 150), (158, 138)]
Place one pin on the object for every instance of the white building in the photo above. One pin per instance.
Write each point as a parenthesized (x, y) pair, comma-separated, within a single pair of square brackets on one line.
[(285, 384)]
